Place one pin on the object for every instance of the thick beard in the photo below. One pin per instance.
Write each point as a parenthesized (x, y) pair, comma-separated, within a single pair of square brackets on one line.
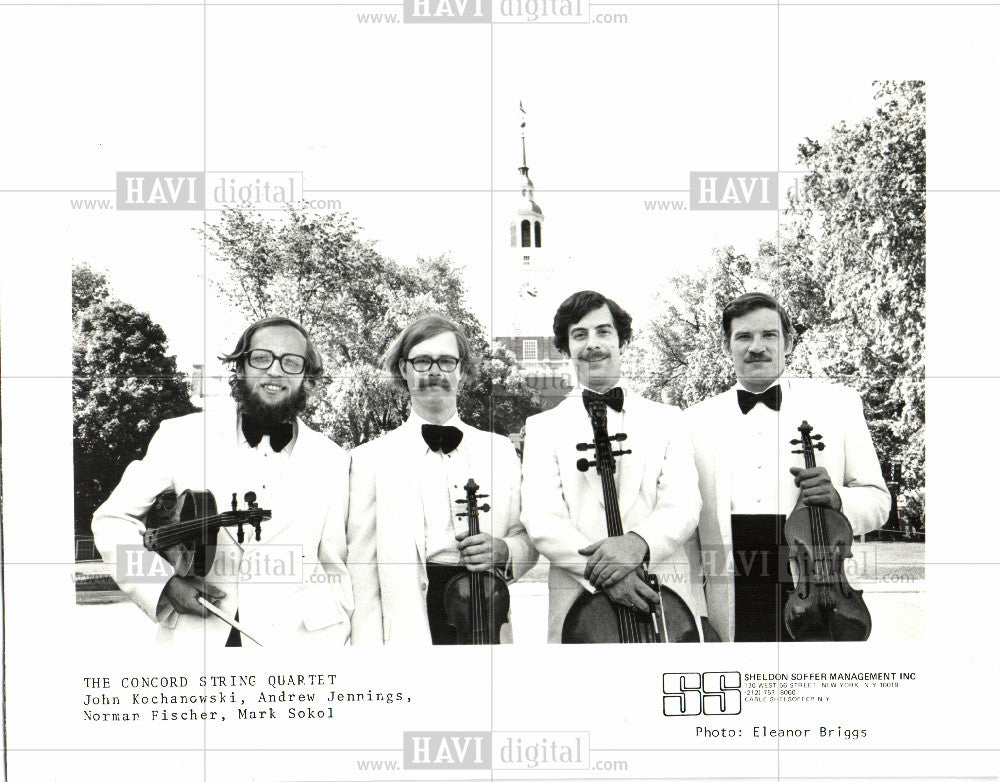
[(253, 407)]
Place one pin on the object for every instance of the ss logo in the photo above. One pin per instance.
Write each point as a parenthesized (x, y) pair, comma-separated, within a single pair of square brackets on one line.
[(711, 693)]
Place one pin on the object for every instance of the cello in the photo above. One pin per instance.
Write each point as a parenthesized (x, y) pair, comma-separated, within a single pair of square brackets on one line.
[(595, 618), (823, 606), (477, 602), (184, 528)]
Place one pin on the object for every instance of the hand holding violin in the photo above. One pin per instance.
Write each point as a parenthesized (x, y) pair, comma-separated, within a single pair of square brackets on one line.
[(482, 551), (612, 559), (182, 593), (816, 487)]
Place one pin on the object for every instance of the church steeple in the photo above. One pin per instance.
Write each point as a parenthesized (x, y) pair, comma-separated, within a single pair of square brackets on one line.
[(526, 228), (525, 299), (527, 186)]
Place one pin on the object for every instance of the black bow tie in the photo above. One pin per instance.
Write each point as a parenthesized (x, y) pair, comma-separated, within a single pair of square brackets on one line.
[(441, 438), (254, 430), (747, 399), (615, 398)]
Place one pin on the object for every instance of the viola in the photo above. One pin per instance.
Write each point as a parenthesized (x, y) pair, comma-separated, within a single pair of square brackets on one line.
[(593, 617), (477, 602), (824, 606), (184, 528)]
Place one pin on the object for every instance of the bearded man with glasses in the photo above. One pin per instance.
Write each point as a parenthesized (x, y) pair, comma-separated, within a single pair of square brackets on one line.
[(404, 540), (292, 585)]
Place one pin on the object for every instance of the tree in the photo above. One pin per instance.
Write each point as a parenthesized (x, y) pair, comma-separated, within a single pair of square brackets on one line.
[(89, 286), (124, 384), (498, 397), (678, 354), (848, 262), (354, 301), (852, 257)]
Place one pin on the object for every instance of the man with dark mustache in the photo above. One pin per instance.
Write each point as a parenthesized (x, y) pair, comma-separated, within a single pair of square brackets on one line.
[(750, 479), (563, 508), (404, 540), (292, 586)]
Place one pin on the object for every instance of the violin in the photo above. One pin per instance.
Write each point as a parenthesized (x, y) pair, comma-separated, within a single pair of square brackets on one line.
[(824, 606), (477, 602), (593, 617), (184, 528)]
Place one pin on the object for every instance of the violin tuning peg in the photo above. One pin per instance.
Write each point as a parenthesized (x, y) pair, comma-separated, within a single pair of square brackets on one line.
[(256, 528), (795, 442), (817, 437), (820, 446), (239, 533), (250, 498), (235, 504), (798, 451), (582, 465), (461, 502), (461, 514), (485, 507)]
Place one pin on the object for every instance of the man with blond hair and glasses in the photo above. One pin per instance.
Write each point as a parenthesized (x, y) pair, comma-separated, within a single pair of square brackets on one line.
[(405, 541)]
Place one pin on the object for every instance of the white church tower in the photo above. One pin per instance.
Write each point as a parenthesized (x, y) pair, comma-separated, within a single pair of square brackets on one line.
[(527, 283), (526, 227)]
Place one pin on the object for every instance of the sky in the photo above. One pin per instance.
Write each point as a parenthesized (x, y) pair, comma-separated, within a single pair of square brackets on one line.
[(423, 146)]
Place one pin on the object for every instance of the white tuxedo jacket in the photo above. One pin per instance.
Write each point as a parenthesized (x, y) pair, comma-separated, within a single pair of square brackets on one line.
[(563, 508), (291, 587), (849, 457), (386, 539)]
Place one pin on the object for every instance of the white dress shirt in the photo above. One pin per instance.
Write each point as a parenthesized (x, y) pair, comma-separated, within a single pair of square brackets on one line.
[(442, 478), (757, 450), (263, 468)]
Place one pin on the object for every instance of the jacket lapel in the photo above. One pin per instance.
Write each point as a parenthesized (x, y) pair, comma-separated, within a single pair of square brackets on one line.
[(633, 465), (409, 501), (791, 416), (724, 466), (578, 429)]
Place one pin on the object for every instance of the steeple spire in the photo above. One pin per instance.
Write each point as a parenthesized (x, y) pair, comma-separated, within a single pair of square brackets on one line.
[(524, 152), (527, 186)]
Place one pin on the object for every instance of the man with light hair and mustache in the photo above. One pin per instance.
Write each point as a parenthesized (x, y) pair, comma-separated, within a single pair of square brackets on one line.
[(405, 541)]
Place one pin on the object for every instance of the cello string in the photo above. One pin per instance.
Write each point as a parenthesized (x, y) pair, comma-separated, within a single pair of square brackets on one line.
[(631, 632), (630, 629), (626, 628)]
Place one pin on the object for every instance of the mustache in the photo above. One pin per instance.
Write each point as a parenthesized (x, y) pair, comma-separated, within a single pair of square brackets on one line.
[(429, 382), (596, 355)]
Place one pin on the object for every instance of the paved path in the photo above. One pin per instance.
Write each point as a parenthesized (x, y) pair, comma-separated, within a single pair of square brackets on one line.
[(891, 575)]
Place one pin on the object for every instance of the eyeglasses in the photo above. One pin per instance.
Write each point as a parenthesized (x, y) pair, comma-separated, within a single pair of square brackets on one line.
[(291, 363), (424, 363)]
